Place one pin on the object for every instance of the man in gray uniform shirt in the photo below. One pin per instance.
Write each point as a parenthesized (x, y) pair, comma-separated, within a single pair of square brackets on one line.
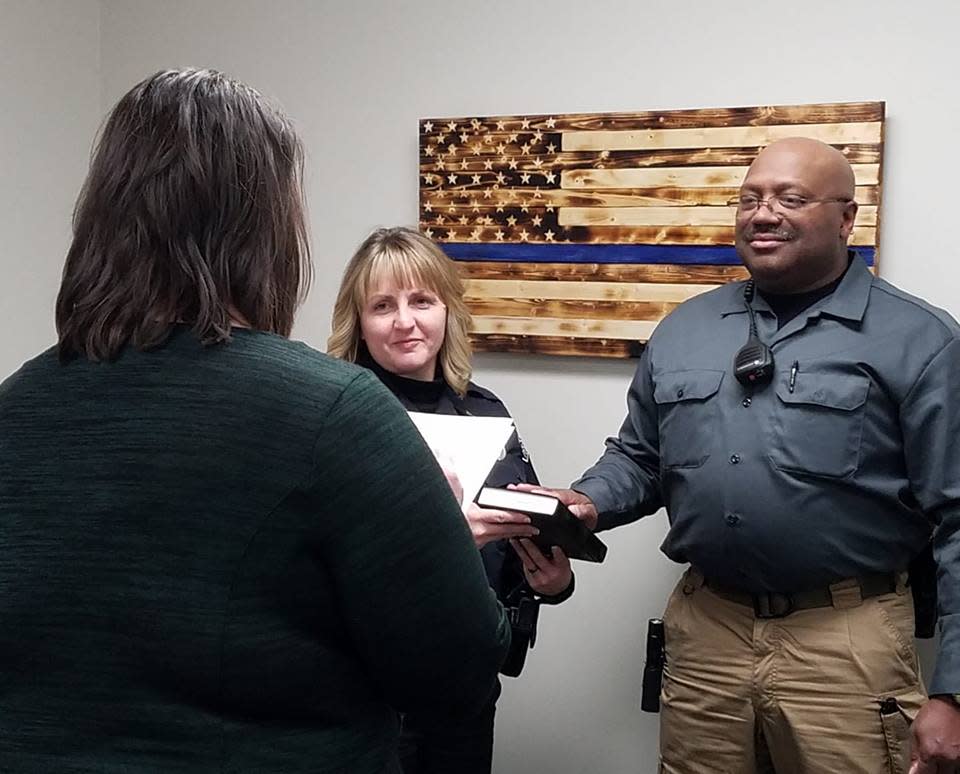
[(799, 502)]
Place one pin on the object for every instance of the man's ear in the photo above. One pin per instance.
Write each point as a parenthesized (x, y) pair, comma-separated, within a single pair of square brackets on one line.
[(849, 218)]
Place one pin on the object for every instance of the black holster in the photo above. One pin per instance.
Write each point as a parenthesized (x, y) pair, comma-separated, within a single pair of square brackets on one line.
[(523, 634), (653, 668), (923, 586)]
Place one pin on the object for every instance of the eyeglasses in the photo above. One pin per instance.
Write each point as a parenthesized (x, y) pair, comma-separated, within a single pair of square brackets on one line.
[(780, 202)]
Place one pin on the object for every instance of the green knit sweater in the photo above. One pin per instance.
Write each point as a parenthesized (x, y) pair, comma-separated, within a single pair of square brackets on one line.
[(233, 558)]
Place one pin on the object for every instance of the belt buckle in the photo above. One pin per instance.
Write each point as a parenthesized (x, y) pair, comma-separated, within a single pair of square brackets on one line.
[(772, 605)]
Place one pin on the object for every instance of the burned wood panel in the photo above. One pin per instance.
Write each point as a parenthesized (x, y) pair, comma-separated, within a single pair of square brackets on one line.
[(635, 204)]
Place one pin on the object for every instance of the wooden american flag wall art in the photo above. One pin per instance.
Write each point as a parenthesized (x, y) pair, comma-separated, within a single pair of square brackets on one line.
[(577, 233)]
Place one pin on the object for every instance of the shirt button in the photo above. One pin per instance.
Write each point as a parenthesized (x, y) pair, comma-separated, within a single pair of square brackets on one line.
[(680, 393), (732, 519), (747, 401), (734, 459)]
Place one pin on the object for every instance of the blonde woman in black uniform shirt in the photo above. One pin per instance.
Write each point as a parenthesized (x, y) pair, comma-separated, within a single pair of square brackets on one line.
[(400, 312)]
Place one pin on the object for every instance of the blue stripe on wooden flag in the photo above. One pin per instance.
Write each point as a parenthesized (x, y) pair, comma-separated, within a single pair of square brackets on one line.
[(715, 255)]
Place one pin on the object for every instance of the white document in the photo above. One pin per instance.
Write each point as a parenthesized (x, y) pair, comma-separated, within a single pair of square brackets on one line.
[(467, 445)]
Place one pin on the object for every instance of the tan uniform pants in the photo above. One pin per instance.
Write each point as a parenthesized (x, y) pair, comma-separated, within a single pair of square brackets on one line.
[(825, 690)]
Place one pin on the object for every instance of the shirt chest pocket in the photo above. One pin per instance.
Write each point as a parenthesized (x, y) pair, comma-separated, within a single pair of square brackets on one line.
[(818, 425), (687, 414)]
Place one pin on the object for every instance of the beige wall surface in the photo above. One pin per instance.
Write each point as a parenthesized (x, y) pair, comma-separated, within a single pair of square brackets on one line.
[(49, 111), (356, 76)]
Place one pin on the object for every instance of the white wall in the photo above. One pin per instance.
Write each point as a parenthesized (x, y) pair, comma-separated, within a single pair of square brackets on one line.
[(49, 111), (357, 76)]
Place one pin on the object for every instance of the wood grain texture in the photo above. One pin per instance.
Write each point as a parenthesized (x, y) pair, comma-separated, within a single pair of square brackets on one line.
[(555, 345), (763, 115), (657, 235), (638, 330), (709, 177), (440, 159), (670, 216), (756, 136), (584, 291), (572, 309), (576, 233), (474, 196), (598, 272)]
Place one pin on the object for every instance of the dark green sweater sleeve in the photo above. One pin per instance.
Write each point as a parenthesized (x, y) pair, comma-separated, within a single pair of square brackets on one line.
[(405, 570)]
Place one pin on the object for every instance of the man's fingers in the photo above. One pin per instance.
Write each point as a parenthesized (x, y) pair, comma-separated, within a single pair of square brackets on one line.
[(586, 513), (508, 531)]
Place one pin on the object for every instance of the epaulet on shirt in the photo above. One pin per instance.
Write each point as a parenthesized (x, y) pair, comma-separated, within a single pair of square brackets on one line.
[(475, 391)]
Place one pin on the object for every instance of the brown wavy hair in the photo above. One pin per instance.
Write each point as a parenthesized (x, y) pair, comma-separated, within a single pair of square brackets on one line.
[(192, 211), (411, 259)]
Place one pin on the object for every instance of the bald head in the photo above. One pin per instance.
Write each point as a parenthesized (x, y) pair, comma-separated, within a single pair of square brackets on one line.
[(795, 239), (823, 167)]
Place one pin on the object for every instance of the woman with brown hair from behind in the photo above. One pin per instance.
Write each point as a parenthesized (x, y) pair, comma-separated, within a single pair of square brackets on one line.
[(212, 554)]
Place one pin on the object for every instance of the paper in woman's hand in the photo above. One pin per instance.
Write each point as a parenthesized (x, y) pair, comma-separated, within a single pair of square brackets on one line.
[(469, 446)]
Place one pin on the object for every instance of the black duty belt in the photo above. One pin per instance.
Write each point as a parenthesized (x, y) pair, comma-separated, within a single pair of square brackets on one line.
[(777, 605)]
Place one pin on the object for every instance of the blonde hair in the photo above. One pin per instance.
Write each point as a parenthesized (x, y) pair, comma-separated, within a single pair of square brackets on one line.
[(411, 260)]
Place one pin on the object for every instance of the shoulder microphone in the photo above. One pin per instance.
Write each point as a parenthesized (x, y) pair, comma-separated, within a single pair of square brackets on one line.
[(753, 364)]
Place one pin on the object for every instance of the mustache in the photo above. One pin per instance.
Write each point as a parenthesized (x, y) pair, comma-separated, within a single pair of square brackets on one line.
[(776, 232)]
